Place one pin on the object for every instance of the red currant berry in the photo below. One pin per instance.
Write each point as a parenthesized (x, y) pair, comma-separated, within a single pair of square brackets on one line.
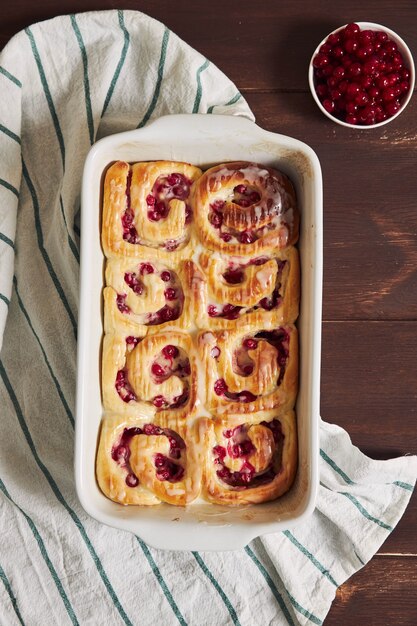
[(339, 72), (388, 94), (320, 60), (322, 91), (352, 90), (328, 105), (392, 108), (351, 45), (355, 70), (351, 30), (351, 119)]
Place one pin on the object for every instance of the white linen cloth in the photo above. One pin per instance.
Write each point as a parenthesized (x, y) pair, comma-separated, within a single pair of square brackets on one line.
[(63, 84)]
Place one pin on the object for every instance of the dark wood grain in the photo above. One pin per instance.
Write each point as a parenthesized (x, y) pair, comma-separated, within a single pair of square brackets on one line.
[(259, 45), (370, 216), (369, 368), (369, 373), (381, 594)]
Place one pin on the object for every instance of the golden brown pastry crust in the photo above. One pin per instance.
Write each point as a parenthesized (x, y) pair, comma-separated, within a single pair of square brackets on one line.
[(133, 458), (126, 188), (225, 357), (128, 366), (272, 457), (138, 301), (270, 222), (167, 353), (275, 278)]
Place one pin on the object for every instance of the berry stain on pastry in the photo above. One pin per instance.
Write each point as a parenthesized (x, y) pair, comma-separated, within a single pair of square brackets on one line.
[(200, 354), (152, 293), (245, 203)]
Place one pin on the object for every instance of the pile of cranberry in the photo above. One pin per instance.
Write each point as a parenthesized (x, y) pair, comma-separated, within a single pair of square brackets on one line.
[(360, 76)]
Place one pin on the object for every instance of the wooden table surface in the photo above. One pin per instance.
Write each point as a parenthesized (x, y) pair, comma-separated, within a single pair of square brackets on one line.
[(369, 366)]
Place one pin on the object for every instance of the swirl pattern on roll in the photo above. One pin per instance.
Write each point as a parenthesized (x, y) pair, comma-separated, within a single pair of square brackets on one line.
[(148, 462), (245, 209), (248, 371), (250, 462), (147, 204)]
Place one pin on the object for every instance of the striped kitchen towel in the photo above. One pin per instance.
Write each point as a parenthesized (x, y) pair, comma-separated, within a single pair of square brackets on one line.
[(64, 83)]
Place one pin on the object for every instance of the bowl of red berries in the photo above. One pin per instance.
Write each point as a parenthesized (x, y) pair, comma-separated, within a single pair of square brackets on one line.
[(362, 75)]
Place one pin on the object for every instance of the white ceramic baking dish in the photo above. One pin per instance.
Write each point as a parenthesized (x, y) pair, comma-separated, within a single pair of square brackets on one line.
[(203, 140)]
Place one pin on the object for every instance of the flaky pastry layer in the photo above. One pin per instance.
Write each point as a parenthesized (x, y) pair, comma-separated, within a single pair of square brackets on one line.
[(148, 462), (252, 461)]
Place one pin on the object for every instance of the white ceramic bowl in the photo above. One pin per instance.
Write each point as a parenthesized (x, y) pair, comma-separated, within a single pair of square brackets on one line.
[(402, 47), (203, 140)]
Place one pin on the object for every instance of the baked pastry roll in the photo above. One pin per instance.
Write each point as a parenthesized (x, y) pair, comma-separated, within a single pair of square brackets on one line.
[(263, 291), (249, 370), (142, 376), (245, 209), (251, 461), (149, 295), (148, 462), (147, 204)]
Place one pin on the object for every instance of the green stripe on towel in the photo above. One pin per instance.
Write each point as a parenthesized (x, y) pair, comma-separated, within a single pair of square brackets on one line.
[(7, 74), (278, 596), (120, 63), (217, 587), (232, 101), (60, 498), (48, 365), (44, 554), (161, 65), (43, 251), (10, 187), (71, 243), (7, 240), (311, 557), (47, 92), (80, 40), (405, 486), (11, 595), (271, 585), (336, 468), (10, 134), (161, 582), (199, 87), (360, 508)]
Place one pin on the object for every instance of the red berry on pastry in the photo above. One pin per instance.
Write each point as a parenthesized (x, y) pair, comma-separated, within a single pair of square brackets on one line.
[(250, 344), (170, 294), (157, 370), (247, 237), (212, 310), (159, 402), (220, 386), (171, 352), (234, 276), (146, 268)]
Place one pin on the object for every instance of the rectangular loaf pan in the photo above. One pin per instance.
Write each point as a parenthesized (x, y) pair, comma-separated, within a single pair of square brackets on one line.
[(203, 140)]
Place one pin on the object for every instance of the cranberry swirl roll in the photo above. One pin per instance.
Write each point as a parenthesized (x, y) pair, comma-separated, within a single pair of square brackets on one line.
[(147, 375), (148, 462), (249, 370), (245, 209), (147, 204), (261, 291), (250, 461)]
